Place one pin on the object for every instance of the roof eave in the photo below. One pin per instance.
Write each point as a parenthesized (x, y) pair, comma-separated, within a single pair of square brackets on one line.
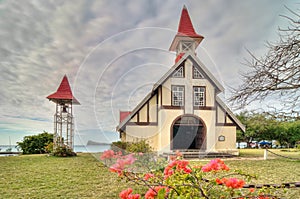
[(236, 120)]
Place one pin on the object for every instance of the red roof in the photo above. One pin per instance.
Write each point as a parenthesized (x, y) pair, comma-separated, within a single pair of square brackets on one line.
[(185, 27), (123, 115), (63, 92)]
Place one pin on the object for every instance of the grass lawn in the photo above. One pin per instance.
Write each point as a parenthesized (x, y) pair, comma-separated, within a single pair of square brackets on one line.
[(41, 176)]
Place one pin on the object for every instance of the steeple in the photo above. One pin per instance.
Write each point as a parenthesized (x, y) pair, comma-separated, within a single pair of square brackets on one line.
[(186, 38)]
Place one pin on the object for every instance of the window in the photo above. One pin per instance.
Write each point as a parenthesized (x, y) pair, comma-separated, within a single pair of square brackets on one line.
[(187, 46), (179, 72), (196, 73), (177, 95), (199, 96)]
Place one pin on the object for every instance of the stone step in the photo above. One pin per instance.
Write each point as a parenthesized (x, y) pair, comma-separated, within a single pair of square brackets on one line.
[(199, 154)]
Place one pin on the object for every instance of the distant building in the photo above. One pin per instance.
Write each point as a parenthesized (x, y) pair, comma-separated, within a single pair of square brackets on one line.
[(183, 110)]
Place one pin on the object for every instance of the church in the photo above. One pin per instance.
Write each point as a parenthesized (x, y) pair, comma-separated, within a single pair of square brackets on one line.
[(183, 110)]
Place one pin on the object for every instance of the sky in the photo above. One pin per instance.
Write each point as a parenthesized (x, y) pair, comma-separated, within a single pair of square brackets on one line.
[(113, 52)]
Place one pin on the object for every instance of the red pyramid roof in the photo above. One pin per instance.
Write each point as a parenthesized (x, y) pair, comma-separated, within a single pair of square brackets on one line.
[(185, 27), (63, 92)]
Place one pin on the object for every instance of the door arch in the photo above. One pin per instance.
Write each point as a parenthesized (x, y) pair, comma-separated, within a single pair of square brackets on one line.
[(188, 132)]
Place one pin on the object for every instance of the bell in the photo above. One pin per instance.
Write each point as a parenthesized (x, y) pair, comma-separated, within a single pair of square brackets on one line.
[(65, 109)]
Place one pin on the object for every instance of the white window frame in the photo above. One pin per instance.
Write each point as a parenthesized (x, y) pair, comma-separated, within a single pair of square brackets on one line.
[(177, 95), (199, 96), (187, 46)]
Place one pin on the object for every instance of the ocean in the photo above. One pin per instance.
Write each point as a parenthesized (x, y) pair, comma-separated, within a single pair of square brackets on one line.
[(77, 148)]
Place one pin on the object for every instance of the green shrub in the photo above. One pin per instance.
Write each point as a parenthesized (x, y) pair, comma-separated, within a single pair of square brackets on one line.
[(140, 146), (63, 151), (35, 144), (133, 147), (119, 146)]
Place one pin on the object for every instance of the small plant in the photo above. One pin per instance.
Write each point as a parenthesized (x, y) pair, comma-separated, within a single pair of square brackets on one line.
[(133, 147), (63, 151), (49, 148)]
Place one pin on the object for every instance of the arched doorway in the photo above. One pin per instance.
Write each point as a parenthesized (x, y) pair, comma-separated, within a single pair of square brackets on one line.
[(188, 132)]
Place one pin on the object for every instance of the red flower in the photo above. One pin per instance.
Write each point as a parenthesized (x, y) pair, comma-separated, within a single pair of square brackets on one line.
[(177, 165), (127, 194), (215, 165), (233, 183), (121, 163), (251, 190), (152, 192), (107, 154), (148, 176)]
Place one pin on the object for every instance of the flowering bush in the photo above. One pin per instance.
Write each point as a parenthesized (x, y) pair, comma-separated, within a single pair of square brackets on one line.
[(178, 179)]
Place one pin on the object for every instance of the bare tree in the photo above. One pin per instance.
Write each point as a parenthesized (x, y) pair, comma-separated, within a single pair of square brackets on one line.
[(275, 75)]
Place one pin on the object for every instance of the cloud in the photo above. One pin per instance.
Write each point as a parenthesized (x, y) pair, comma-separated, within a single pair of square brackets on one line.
[(112, 51)]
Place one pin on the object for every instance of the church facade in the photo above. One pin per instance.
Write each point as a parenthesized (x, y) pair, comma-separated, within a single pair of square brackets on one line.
[(183, 110)]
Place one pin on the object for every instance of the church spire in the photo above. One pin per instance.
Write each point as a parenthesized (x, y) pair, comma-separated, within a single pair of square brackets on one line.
[(186, 38)]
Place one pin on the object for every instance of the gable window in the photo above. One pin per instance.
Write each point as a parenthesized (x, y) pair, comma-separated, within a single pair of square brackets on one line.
[(199, 96), (177, 95), (196, 73), (179, 72)]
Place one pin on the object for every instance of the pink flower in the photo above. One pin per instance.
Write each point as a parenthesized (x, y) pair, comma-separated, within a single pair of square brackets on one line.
[(251, 190), (177, 165), (147, 176), (152, 192), (129, 159), (127, 194), (215, 165), (108, 154), (233, 183), (121, 163)]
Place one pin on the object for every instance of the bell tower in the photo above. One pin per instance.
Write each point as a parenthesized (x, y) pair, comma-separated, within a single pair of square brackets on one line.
[(186, 39), (63, 117)]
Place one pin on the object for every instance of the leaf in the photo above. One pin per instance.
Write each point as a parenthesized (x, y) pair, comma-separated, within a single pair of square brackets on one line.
[(161, 193)]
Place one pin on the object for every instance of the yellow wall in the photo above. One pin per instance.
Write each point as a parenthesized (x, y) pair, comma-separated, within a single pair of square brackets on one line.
[(136, 133), (221, 115), (143, 114), (230, 139), (153, 110)]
